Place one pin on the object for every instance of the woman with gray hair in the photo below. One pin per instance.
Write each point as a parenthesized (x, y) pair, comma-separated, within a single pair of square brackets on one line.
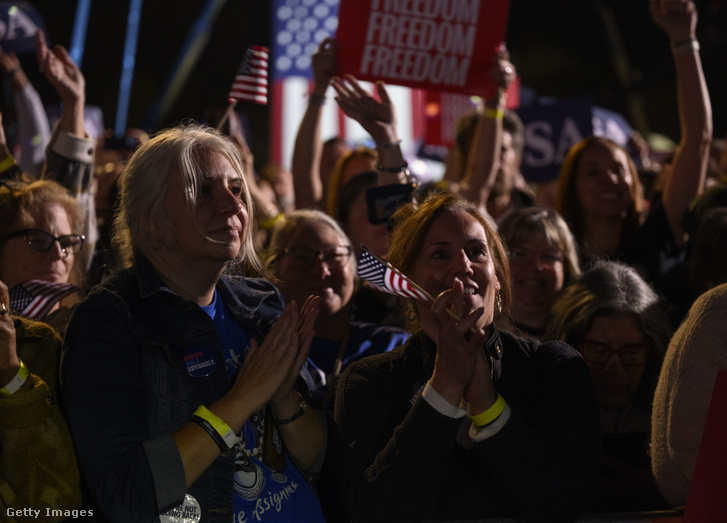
[(617, 323), (178, 378), (311, 255)]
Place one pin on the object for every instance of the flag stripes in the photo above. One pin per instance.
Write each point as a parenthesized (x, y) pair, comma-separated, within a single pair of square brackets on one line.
[(251, 80), (35, 298)]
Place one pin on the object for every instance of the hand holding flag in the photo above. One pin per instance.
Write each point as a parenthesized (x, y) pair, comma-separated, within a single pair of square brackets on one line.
[(387, 278)]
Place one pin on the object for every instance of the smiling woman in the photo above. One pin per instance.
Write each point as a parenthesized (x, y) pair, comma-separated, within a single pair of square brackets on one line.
[(464, 412), (178, 377)]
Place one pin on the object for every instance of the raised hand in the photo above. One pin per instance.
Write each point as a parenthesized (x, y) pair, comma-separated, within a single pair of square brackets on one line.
[(677, 17), (458, 343), (323, 63), (377, 117), (65, 77)]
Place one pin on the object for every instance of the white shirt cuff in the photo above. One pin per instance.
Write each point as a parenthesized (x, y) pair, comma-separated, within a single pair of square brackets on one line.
[(440, 404)]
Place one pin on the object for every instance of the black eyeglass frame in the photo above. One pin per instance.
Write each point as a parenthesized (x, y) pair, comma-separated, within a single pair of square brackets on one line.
[(317, 255), (72, 247)]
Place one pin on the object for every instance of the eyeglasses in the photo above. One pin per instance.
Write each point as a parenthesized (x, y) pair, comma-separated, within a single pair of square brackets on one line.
[(545, 258), (43, 241), (302, 259), (631, 355)]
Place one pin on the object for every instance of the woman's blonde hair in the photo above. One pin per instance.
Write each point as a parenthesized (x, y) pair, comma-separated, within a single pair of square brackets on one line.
[(528, 223), (181, 154)]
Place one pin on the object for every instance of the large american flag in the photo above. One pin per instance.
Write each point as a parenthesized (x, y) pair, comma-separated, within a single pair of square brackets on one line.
[(385, 277), (35, 298), (299, 26), (251, 80)]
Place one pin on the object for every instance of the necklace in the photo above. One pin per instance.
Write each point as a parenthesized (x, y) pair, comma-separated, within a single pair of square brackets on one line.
[(257, 427)]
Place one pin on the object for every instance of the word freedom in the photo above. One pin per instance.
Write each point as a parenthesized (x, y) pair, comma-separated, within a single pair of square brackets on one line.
[(421, 40)]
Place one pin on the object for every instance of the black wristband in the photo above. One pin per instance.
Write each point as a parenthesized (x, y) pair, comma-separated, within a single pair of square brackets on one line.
[(209, 429)]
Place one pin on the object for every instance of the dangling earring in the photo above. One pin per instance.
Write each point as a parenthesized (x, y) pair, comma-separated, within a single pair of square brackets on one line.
[(499, 302), (411, 313)]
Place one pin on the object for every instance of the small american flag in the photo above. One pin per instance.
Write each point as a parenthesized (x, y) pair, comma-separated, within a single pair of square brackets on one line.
[(35, 298), (251, 80), (385, 277)]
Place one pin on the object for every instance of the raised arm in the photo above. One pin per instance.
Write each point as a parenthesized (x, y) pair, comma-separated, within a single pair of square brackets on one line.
[(678, 18), (378, 118), (308, 146), (33, 127), (481, 162)]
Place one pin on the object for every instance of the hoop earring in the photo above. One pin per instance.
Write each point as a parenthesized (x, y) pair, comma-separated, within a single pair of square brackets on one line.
[(499, 302)]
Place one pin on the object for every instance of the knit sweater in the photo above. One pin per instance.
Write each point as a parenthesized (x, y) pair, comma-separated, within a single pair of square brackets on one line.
[(37, 463), (696, 352)]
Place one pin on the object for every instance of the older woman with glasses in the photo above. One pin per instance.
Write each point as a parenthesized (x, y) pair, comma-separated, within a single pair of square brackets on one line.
[(38, 240), (311, 255), (617, 323)]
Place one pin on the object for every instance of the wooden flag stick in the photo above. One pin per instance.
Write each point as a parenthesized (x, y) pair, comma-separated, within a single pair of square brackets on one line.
[(227, 114)]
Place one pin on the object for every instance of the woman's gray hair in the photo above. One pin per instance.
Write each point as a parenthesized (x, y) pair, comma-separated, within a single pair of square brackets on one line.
[(612, 288), (180, 154)]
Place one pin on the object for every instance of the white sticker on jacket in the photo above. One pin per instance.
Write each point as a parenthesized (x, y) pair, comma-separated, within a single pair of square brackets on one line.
[(187, 512)]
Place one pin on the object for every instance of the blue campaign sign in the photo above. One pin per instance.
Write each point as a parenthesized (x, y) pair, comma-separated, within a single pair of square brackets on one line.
[(18, 23), (552, 129)]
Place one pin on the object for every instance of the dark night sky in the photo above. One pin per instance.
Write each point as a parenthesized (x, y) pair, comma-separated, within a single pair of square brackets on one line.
[(560, 47)]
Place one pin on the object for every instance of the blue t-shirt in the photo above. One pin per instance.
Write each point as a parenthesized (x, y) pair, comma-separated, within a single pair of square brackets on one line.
[(261, 494)]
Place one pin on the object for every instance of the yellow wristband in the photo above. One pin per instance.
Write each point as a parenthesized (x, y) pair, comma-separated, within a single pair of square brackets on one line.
[(222, 428), (16, 382), (491, 414), (496, 114), (7, 163), (267, 223)]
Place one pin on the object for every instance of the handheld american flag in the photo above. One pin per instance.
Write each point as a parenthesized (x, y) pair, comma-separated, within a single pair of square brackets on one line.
[(251, 80), (35, 298), (387, 278)]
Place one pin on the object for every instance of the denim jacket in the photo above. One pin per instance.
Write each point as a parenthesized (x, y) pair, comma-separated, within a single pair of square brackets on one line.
[(125, 389)]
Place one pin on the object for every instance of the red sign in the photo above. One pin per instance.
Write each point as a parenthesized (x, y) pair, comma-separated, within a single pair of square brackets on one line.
[(435, 45), (443, 111)]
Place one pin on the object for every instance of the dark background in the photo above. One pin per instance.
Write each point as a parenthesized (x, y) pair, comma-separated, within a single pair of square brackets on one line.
[(609, 49)]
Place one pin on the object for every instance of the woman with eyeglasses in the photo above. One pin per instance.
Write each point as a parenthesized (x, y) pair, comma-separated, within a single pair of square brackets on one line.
[(179, 376), (543, 259), (617, 322), (311, 255), (38, 241)]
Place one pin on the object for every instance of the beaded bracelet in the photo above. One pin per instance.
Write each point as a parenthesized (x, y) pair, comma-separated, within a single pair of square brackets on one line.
[(491, 414)]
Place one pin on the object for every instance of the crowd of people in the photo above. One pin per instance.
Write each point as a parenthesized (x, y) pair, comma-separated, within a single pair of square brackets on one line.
[(183, 338)]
